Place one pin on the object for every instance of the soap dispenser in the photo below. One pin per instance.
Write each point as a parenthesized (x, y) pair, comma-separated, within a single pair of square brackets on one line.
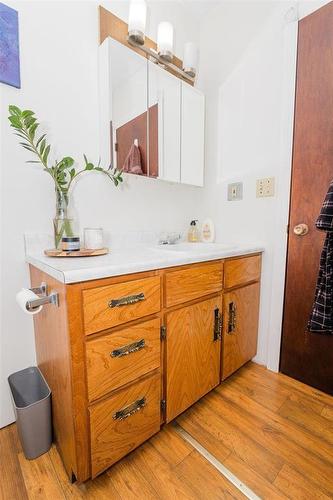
[(193, 233)]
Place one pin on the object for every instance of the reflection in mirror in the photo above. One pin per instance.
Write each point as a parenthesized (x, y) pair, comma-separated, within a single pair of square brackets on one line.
[(164, 124), (128, 106)]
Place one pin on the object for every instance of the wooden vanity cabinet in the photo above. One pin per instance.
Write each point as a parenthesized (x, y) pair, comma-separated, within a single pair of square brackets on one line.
[(123, 355)]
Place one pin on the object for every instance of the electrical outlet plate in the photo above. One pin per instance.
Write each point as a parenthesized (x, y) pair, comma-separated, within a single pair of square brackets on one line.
[(235, 191), (265, 187)]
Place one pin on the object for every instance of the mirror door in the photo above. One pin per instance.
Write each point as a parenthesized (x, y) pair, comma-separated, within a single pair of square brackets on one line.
[(192, 136), (164, 94), (128, 110)]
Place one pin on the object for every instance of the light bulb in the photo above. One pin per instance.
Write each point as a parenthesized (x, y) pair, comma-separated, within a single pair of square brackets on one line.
[(190, 59), (165, 40), (137, 21)]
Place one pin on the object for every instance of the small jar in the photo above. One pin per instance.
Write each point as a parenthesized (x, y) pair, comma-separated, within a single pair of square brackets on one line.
[(70, 244), (93, 238)]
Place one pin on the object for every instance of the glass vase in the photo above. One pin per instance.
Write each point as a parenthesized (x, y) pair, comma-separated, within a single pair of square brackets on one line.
[(63, 224)]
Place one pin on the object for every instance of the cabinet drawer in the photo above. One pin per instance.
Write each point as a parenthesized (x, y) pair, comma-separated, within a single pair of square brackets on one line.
[(241, 271), (112, 305), (188, 284), (120, 357), (113, 435)]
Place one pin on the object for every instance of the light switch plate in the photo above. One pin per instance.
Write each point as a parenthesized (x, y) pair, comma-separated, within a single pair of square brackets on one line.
[(235, 191), (265, 187)]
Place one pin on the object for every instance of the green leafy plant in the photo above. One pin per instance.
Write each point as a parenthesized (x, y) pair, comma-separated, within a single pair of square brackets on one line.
[(63, 172)]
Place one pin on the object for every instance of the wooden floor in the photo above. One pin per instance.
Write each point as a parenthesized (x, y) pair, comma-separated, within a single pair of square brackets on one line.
[(274, 433)]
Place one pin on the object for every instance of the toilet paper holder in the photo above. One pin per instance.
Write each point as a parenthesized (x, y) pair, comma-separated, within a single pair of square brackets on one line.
[(41, 290)]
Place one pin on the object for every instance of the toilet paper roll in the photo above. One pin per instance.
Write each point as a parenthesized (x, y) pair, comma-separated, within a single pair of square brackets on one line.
[(23, 296)]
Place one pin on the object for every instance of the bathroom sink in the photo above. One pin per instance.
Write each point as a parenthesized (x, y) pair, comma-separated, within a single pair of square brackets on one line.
[(195, 248)]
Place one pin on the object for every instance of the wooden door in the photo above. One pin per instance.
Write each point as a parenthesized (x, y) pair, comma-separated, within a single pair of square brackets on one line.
[(308, 356), (192, 355), (240, 332)]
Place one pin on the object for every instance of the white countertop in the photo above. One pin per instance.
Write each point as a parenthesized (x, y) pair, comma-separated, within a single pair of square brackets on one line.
[(136, 258)]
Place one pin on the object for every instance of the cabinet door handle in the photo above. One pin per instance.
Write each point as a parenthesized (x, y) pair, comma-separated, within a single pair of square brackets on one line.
[(217, 324), (125, 301), (128, 349), (129, 410), (232, 317)]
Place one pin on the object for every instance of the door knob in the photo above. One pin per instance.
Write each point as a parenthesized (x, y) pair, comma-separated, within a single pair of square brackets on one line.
[(301, 229)]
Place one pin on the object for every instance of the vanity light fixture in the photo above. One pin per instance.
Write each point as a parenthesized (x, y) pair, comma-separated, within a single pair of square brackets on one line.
[(165, 41), (164, 53), (137, 21), (190, 59)]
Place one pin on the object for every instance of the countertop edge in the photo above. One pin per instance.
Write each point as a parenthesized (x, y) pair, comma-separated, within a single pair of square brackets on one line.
[(81, 275)]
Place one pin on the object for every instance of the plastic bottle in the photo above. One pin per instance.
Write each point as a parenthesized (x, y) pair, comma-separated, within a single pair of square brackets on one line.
[(193, 233)]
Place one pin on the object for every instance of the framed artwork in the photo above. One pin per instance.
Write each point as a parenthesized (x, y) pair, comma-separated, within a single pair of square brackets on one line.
[(9, 47)]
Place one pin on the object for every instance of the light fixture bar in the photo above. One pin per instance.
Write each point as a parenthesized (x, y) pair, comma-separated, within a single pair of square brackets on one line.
[(153, 54)]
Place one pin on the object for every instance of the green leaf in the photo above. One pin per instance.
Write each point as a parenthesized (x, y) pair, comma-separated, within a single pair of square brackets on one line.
[(28, 148), (42, 146), (66, 163), (46, 153), (27, 112), (14, 110), (72, 173), (29, 121), (40, 139), (89, 166), (15, 121), (21, 135), (33, 130)]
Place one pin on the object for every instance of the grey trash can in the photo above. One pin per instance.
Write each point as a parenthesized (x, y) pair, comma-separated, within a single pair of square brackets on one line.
[(32, 403)]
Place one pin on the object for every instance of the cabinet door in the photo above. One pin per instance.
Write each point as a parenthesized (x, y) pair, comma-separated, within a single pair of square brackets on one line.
[(192, 354), (192, 136), (240, 332), (164, 93)]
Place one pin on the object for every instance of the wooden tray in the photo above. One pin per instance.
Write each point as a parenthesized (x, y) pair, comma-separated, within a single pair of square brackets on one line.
[(84, 252)]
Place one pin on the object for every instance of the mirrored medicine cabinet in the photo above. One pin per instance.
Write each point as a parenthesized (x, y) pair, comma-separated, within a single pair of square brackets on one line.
[(152, 123)]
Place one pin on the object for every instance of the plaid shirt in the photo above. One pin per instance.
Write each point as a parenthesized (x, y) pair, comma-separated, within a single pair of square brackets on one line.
[(321, 318)]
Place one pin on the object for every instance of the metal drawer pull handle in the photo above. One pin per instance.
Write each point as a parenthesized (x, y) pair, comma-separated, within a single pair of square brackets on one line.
[(232, 318), (130, 410), (217, 324), (125, 301), (128, 349)]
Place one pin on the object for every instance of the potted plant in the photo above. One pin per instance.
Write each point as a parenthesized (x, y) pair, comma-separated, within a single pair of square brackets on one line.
[(63, 172)]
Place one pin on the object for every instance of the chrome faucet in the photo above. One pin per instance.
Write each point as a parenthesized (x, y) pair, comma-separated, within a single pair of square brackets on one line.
[(170, 239)]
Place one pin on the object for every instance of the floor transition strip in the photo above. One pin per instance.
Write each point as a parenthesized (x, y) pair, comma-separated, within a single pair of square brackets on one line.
[(216, 463)]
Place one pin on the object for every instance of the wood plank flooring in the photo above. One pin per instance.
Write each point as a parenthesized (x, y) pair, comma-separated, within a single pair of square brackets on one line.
[(274, 433)]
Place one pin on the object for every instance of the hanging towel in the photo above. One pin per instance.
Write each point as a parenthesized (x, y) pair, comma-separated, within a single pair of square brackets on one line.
[(132, 163), (321, 319)]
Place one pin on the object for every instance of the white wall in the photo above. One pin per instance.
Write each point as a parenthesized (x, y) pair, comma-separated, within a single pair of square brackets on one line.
[(59, 64), (249, 122), (250, 106)]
